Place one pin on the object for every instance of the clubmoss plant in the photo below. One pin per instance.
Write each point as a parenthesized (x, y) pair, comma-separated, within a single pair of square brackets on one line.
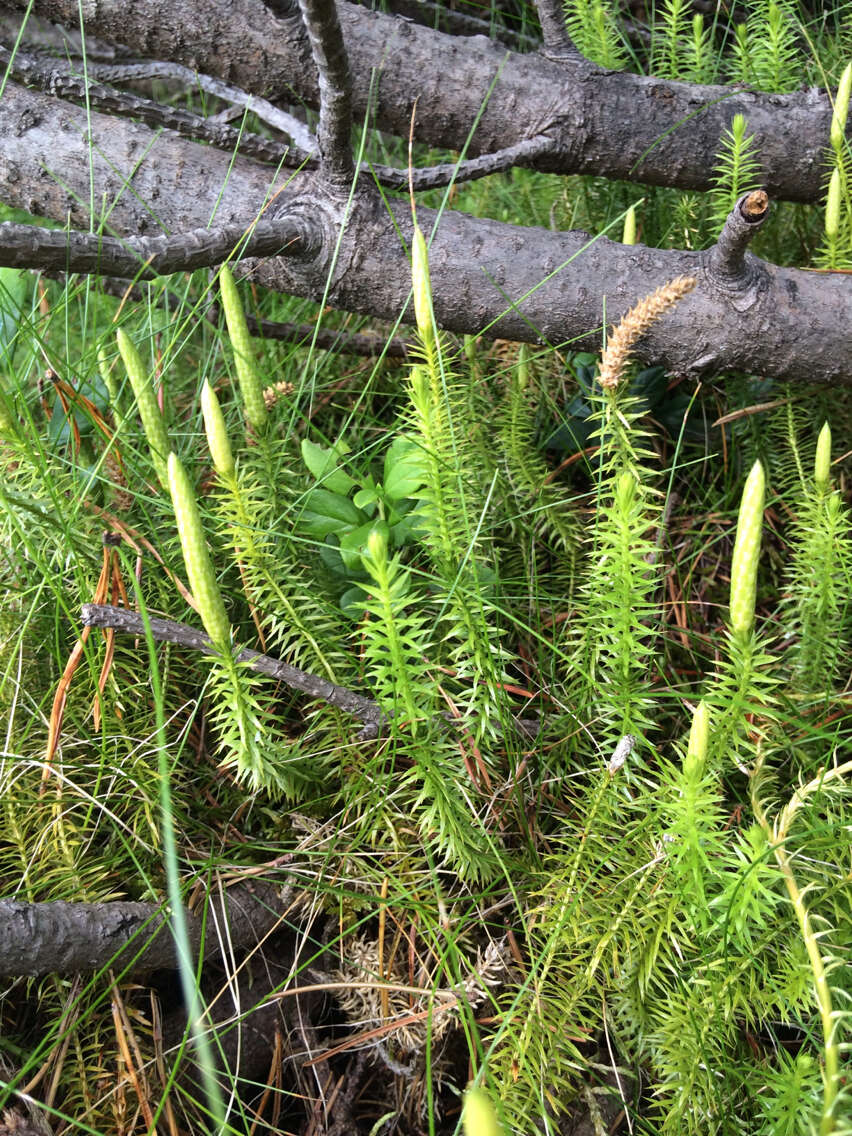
[(817, 605), (257, 759), (593, 27), (451, 507), (539, 501), (744, 683), (737, 170), (746, 557), (287, 619)]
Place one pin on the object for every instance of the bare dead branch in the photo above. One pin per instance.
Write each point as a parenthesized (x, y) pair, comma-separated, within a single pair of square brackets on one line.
[(273, 116), (167, 631), (329, 339), (436, 177), (27, 246), (501, 280)]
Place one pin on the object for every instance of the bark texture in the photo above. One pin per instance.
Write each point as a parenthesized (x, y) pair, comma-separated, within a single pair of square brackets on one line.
[(516, 283)]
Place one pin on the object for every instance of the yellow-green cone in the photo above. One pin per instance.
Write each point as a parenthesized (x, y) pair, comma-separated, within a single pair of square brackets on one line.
[(523, 372), (248, 375), (146, 401), (421, 285), (217, 433), (377, 546), (699, 736), (822, 461), (479, 1117), (747, 552), (628, 236), (199, 567), (625, 491), (841, 109), (832, 206)]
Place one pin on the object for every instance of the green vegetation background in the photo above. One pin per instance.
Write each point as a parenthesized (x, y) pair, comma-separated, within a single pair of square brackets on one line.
[(645, 898)]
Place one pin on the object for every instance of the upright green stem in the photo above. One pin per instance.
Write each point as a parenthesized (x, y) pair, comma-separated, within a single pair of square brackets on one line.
[(777, 835)]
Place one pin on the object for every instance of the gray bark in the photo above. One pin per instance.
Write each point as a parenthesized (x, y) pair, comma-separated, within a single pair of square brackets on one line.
[(611, 124)]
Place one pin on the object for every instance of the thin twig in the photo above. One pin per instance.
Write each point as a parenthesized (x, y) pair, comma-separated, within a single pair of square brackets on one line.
[(273, 116), (445, 173), (329, 339), (182, 635)]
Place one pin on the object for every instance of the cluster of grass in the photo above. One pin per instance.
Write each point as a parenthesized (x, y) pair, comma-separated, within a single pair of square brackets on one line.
[(599, 851)]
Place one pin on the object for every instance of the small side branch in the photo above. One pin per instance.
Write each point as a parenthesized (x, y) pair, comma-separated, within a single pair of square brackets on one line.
[(436, 177), (335, 89), (273, 116), (141, 258), (727, 263), (327, 339), (557, 45)]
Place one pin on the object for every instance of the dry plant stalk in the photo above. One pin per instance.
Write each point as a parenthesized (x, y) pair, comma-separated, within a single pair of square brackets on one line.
[(635, 323)]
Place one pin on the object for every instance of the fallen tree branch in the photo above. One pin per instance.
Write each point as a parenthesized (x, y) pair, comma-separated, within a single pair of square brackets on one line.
[(611, 124), (142, 258), (488, 277), (67, 938), (330, 339)]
